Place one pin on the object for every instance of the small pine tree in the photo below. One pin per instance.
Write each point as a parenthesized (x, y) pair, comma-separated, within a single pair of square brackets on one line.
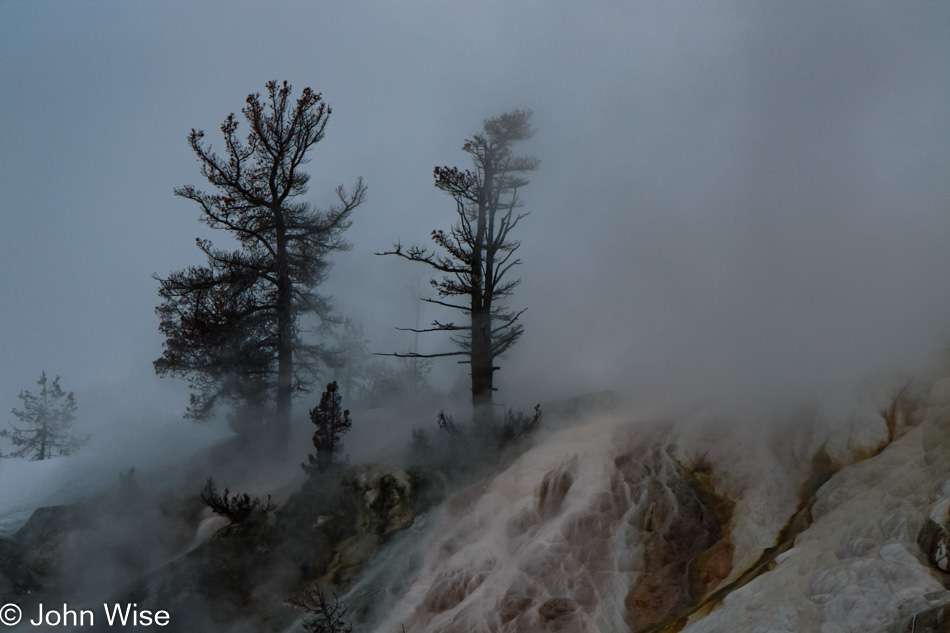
[(332, 423), (47, 418)]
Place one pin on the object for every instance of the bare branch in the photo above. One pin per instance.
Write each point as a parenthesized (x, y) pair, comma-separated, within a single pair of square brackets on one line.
[(436, 327), (447, 305), (477, 253), (415, 355)]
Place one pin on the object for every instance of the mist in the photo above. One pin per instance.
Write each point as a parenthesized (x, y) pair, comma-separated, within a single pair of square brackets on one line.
[(751, 192), (741, 212)]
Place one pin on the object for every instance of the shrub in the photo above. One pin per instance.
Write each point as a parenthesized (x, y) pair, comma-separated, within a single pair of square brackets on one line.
[(235, 509), (447, 424), (515, 426), (324, 615)]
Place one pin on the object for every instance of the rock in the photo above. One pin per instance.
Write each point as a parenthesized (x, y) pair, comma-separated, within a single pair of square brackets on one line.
[(386, 500), (391, 497), (934, 541), (658, 595), (517, 599), (46, 534), (557, 612), (16, 577), (941, 550), (234, 577), (33, 557), (929, 614), (554, 487), (711, 567), (452, 586), (238, 578), (521, 522), (685, 552)]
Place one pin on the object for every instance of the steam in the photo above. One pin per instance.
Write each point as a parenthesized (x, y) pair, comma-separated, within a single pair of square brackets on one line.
[(739, 224)]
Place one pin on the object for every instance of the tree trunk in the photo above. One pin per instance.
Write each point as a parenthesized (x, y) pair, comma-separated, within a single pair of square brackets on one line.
[(43, 427), (480, 353), (481, 365), (285, 366), (284, 371)]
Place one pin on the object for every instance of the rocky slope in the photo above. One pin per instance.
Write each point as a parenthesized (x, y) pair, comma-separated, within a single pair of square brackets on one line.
[(611, 527), (237, 577)]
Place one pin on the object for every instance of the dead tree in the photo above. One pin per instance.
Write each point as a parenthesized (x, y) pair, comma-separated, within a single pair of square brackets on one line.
[(475, 256)]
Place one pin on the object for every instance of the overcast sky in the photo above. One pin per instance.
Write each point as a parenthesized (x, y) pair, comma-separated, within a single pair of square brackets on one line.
[(742, 196)]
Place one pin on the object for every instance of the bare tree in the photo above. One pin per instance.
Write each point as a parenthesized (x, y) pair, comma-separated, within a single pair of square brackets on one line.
[(233, 326), (324, 614), (475, 256)]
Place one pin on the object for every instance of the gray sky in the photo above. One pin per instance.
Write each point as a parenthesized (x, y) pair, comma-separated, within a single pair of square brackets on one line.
[(743, 197)]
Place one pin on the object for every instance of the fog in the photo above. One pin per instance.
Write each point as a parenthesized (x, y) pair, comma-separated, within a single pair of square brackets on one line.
[(741, 204), (741, 215)]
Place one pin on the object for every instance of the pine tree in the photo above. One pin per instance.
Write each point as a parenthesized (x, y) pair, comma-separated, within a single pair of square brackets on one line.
[(46, 419), (476, 254), (332, 422), (233, 327)]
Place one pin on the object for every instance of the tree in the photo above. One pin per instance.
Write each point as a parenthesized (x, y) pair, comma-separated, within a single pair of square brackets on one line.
[(332, 422), (236, 509), (324, 614), (47, 419), (475, 256), (372, 382), (233, 327)]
